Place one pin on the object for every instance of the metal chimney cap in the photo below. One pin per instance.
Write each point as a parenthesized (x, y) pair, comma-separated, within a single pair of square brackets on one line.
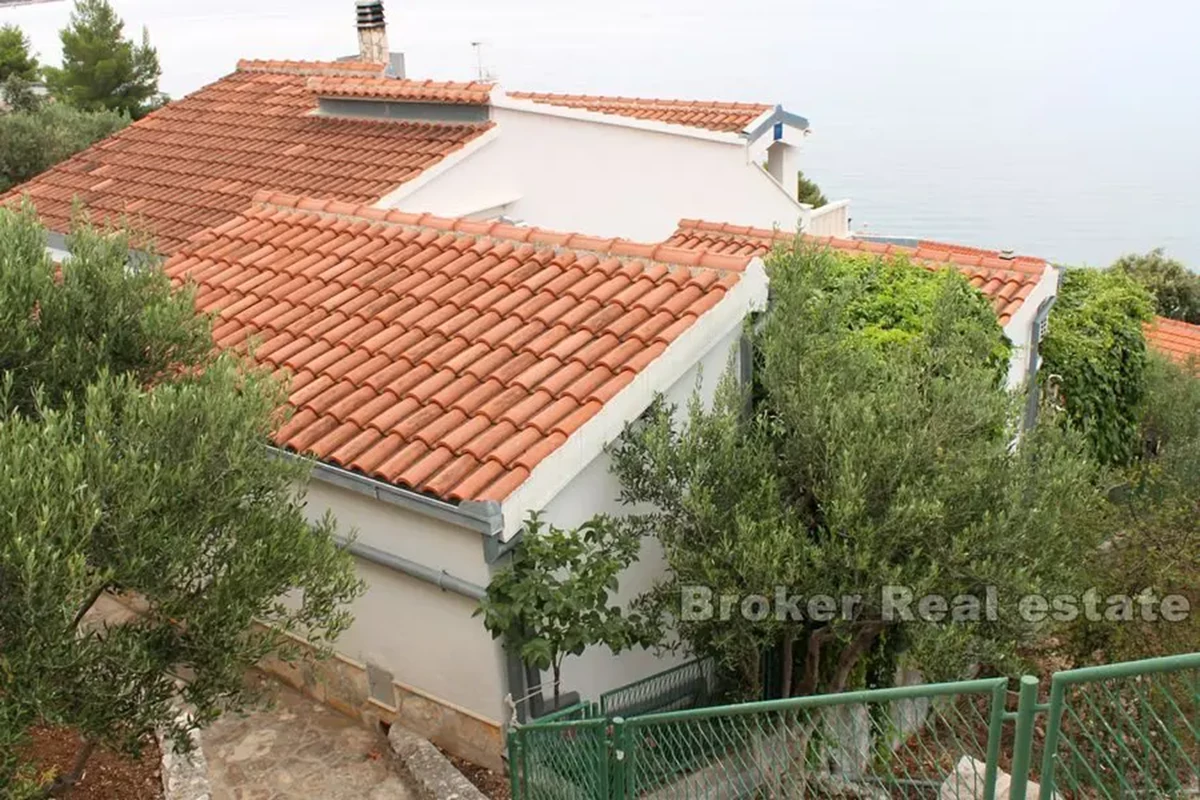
[(370, 13)]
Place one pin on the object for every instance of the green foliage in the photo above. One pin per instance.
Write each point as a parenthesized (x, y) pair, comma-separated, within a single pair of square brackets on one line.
[(31, 141), (1175, 289), (1095, 358), (553, 599), (15, 57), (1154, 545), (133, 461), (880, 454), (808, 192), (103, 70)]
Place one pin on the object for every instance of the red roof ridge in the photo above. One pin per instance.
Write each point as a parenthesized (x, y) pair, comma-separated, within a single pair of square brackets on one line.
[(714, 115), (363, 69), (641, 101), (610, 247), (1006, 282), (938, 254), (382, 87)]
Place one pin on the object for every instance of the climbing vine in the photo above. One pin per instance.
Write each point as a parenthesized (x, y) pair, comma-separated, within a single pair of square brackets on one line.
[(1095, 358)]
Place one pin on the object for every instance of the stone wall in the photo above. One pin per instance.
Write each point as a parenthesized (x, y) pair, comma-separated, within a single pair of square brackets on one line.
[(344, 684)]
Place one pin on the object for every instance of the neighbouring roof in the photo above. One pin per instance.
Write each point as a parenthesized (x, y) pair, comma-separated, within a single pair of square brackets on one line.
[(198, 161), (1005, 282), (1179, 341), (711, 115), (445, 356)]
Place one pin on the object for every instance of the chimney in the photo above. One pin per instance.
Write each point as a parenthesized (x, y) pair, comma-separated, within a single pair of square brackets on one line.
[(372, 32)]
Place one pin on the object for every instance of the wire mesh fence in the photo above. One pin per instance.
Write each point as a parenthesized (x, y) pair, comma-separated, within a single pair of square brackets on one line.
[(689, 685), (901, 743), (1118, 732), (1124, 731)]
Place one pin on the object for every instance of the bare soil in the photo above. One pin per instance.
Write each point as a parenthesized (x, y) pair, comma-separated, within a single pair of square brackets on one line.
[(494, 785), (108, 776)]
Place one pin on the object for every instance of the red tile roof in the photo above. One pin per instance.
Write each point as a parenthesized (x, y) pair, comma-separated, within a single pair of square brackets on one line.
[(1005, 282), (198, 161), (446, 356), (711, 115), (377, 88), (347, 68), (1179, 341)]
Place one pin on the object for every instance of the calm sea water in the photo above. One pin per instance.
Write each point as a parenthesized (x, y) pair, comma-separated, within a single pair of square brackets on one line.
[(1062, 128)]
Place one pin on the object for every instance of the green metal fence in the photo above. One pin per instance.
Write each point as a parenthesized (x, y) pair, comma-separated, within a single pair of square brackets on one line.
[(1108, 733), (686, 686), (1124, 731)]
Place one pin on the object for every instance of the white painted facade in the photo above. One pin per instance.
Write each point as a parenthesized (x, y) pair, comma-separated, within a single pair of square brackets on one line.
[(1021, 328), (610, 176)]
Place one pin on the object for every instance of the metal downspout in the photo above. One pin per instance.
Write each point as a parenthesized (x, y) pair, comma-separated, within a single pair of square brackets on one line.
[(439, 578)]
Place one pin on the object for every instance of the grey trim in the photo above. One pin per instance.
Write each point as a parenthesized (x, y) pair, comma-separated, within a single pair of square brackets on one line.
[(364, 108), (482, 517), (517, 686), (778, 115), (1033, 397), (439, 578), (494, 549)]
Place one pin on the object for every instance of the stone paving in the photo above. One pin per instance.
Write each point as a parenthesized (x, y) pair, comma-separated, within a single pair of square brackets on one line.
[(298, 749)]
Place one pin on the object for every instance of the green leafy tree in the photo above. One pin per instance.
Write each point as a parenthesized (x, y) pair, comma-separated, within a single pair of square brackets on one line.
[(808, 192), (1175, 289), (32, 141), (103, 70), (879, 454), (15, 56), (1095, 358), (554, 599), (1153, 549), (133, 461)]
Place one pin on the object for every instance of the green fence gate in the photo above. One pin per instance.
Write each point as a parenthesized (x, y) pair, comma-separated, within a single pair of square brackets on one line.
[(1108, 733)]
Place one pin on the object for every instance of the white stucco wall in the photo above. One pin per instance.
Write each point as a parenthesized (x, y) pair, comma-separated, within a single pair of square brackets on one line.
[(603, 179), (424, 636), (595, 491), (1019, 329)]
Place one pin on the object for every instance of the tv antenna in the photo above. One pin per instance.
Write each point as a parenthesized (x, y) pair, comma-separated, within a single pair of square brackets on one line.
[(481, 73)]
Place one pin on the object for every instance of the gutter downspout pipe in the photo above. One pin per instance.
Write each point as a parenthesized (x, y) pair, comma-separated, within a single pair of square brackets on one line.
[(439, 578)]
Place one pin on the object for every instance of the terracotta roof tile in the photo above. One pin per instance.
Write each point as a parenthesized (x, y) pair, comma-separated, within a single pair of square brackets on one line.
[(381, 88), (459, 396), (1179, 341), (1006, 282), (197, 162), (711, 115)]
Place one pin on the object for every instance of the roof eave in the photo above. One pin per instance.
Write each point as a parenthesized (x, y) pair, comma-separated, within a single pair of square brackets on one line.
[(769, 119), (553, 473)]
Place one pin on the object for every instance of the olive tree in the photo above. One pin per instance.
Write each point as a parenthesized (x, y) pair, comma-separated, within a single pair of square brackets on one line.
[(134, 462), (876, 466)]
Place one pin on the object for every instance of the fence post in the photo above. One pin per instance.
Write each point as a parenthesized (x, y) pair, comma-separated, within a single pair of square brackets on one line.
[(616, 764), (1027, 708), (1053, 730), (514, 761), (995, 734)]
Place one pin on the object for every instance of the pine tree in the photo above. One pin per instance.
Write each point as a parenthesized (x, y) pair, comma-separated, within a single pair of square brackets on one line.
[(103, 70)]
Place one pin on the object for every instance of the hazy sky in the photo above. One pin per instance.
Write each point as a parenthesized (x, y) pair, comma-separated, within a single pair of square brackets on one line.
[(1064, 128)]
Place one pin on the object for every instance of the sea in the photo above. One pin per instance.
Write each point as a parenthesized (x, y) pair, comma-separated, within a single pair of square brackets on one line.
[(1066, 129)]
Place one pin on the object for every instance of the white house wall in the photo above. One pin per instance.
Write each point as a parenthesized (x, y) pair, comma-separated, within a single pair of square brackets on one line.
[(1019, 329), (595, 491), (601, 179), (425, 637)]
